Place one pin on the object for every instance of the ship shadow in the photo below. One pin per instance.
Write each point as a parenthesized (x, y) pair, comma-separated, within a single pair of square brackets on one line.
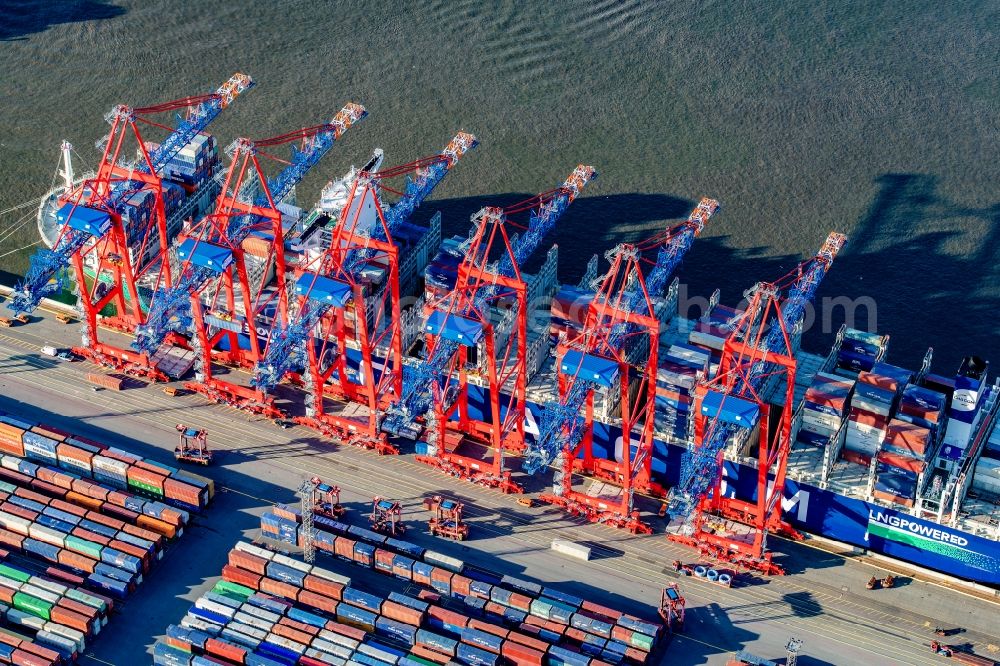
[(20, 18)]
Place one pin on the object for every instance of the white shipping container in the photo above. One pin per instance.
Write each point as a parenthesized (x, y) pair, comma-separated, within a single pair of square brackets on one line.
[(297, 648), (823, 420), (256, 622), (254, 550), (450, 563), (572, 549), (110, 465), (36, 591), (71, 464), (253, 632), (861, 446), (14, 523), (326, 574), (263, 614), (332, 648), (957, 433), (10, 583), (238, 638), (50, 585), (55, 639), (336, 638), (214, 607), (291, 562), (25, 619), (49, 350), (194, 622), (69, 633), (324, 657), (9, 462), (46, 535)]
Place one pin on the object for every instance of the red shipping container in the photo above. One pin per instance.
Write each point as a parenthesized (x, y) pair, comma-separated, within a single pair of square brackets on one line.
[(51, 433), (69, 618), (344, 630), (902, 462), (299, 626), (187, 493), (323, 586), (278, 588), (225, 650), (855, 457), (132, 550), (136, 473), (621, 633), (243, 560), (447, 616), (318, 601), (22, 657), (909, 436), (520, 602), (383, 559), (535, 621), (428, 596), (62, 576), (344, 547), (292, 634), (488, 628), (28, 493), (521, 655), (7, 594), (9, 639), (460, 585), (430, 654), (88, 612), (20, 511), (867, 418), (636, 655), (79, 499), (76, 561), (881, 381), (50, 490), (401, 613), (142, 533), (529, 641), (118, 498), (120, 512), (11, 538), (63, 505), (575, 635), (74, 453), (161, 528), (90, 536), (309, 661), (241, 576)]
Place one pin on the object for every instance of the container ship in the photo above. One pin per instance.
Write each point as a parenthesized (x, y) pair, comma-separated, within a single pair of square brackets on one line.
[(358, 320)]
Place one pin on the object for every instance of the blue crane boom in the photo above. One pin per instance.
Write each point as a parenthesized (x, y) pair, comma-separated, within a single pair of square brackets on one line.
[(561, 424), (546, 209), (700, 465), (286, 348), (41, 278), (204, 259)]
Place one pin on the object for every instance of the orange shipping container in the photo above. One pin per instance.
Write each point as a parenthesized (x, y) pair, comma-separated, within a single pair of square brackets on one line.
[(83, 500), (240, 576), (344, 630), (67, 617), (323, 586), (76, 561), (529, 641), (225, 650), (238, 558), (401, 613), (157, 526), (460, 585), (278, 588), (22, 657), (488, 628), (431, 655), (318, 601), (521, 655), (63, 505), (292, 634)]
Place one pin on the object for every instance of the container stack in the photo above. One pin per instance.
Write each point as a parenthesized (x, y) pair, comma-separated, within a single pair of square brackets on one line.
[(271, 609), (824, 408), (441, 273), (547, 614), (678, 373), (57, 618), (109, 466), (902, 462), (859, 352), (872, 405), (194, 163)]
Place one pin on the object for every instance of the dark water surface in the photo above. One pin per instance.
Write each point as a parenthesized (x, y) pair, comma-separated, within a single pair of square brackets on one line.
[(877, 119)]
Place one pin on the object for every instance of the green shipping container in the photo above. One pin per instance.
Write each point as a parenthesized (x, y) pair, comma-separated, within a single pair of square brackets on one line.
[(33, 605), (7, 487), (641, 641), (420, 660), (14, 574), (88, 548), (234, 589)]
